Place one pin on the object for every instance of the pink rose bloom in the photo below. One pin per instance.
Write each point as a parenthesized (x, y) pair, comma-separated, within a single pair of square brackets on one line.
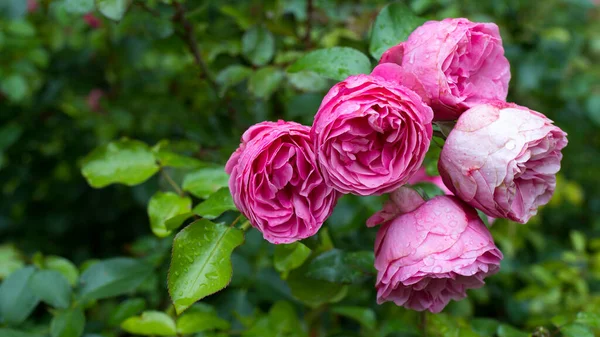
[(458, 62), (422, 176), (92, 21), (93, 99), (432, 253), (503, 158), (370, 135), (275, 182), (32, 6)]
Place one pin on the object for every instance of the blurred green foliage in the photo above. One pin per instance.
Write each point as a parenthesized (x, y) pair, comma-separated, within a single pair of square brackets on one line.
[(159, 100)]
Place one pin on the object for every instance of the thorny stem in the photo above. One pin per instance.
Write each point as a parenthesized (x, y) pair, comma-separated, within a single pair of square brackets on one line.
[(190, 38), (171, 182)]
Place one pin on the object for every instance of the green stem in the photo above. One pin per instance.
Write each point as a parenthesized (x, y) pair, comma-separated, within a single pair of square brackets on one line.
[(245, 225), (424, 323), (172, 182)]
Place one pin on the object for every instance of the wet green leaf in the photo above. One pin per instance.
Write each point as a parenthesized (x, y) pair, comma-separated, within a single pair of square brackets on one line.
[(216, 204), (335, 63), (393, 25), (164, 206)]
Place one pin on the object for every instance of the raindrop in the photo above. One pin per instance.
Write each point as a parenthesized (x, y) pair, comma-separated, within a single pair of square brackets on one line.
[(510, 145), (437, 269), (428, 261)]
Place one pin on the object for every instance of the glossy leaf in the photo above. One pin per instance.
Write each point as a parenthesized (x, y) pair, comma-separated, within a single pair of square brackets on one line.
[(17, 301), (51, 287), (113, 9), (126, 309), (150, 323), (128, 162), (68, 323), (112, 277), (335, 63), (265, 82), (288, 257), (258, 45), (201, 261), (203, 182), (164, 206), (216, 204), (393, 25), (195, 321)]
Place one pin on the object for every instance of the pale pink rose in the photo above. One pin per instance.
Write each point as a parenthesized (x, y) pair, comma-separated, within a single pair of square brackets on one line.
[(458, 62), (422, 176), (93, 99), (433, 254), (92, 21), (503, 158), (370, 135), (275, 182)]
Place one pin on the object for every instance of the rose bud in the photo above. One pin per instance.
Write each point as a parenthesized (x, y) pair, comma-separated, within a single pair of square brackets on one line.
[(370, 135), (432, 252), (458, 62), (275, 182), (503, 158)]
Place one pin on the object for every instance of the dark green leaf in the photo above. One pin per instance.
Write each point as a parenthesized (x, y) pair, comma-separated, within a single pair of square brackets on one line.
[(265, 82), (393, 25), (335, 63), (112, 277), (164, 206), (291, 256), (314, 292), (576, 330), (126, 309), (232, 75), (204, 182), (308, 81), (365, 316), (201, 261), (51, 287), (258, 45), (336, 266), (113, 9), (216, 204), (68, 323), (128, 162), (150, 323), (17, 301)]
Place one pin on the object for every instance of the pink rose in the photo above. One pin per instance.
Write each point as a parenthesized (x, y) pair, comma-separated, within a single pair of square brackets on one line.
[(92, 21), (433, 253), (502, 158), (422, 176), (93, 99), (370, 135), (458, 62), (275, 182), (32, 6)]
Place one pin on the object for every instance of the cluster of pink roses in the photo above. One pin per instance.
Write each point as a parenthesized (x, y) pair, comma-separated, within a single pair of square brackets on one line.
[(370, 136)]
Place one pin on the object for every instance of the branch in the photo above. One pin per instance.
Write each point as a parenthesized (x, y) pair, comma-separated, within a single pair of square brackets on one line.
[(189, 37)]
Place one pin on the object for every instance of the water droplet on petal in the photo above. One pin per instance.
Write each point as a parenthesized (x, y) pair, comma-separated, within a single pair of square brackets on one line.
[(437, 269), (510, 145)]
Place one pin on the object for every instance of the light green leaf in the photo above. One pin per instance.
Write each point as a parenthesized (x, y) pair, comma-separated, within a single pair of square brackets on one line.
[(51, 287), (289, 257), (265, 82), (195, 321), (113, 277), (205, 181), (365, 316), (16, 333), (576, 330), (232, 76), (17, 301), (164, 206), (172, 159), (113, 9), (63, 266), (79, 6), (10, 260), (258, 45), (216, 204), (128, 162), (393, 25), (150, 323), (15, 87), (589, 318), (201, 261), (508, 331), (126, 309), (68, 323), (335, 63)]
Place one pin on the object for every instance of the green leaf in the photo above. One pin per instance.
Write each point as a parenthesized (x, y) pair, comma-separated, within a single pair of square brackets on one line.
[(308, 81), (589, 318), (576, 330), (178, 220), (16, 333), (485, 326), (508, 331), (9, 134), (560, 320), (393, 25), (63, 266), (265, 82), (128, 162), (15, 87), (258, 45), (289, 257), (164, 206), (113, 277), (79, 6), (150, 323), (314, 292), (336, 266), (10, 260), (232, 76), (365, 316), (51, 287), (216, 204), (126, 309), (113, 9), (16, 299), (172, 159), (204, 182), (201, 261), (194, 321), (282, 320), (335, 63), (68, 323), (578, 241)]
